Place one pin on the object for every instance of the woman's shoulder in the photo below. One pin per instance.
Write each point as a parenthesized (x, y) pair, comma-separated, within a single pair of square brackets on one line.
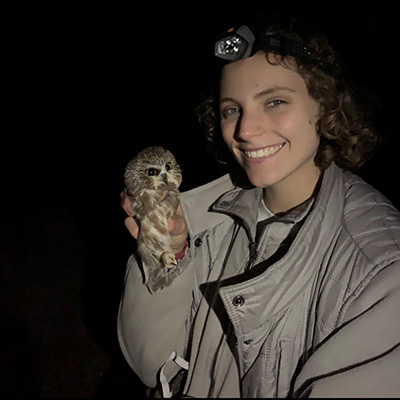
[(363, 200), (370, 218)]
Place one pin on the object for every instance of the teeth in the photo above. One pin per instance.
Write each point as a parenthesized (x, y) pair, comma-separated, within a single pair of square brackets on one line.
[(268, 151)]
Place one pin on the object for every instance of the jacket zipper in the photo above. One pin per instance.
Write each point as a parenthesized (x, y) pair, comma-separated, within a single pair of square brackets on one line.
[(253, 244), (252, 257)]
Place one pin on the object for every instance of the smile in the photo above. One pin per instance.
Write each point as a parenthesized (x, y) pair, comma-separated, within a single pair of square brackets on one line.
[(268, 151)]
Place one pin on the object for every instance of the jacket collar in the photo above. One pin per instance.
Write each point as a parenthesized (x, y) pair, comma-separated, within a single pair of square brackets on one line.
[(242, 204)]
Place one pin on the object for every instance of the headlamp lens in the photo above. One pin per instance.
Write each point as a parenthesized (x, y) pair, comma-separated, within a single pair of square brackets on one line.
[(236, 46), (231, 48)]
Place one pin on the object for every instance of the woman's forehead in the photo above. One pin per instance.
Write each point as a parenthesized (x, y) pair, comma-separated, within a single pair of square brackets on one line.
[(257, 73)]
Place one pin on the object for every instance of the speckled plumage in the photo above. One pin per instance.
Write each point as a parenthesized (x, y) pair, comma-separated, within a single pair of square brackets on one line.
[(147, 176)]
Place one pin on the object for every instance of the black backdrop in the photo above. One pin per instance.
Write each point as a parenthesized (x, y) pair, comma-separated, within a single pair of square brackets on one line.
[(84, 88)]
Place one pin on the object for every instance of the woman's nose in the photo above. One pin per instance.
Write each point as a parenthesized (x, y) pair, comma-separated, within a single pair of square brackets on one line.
[(249, 126)]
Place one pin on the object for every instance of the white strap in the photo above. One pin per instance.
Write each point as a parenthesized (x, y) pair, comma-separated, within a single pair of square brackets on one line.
[(164, 383)]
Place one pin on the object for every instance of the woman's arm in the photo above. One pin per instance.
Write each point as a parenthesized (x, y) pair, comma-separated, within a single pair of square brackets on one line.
[(151, 326)]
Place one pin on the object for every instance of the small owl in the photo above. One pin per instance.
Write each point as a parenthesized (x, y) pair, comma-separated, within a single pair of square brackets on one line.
[(147, 178)]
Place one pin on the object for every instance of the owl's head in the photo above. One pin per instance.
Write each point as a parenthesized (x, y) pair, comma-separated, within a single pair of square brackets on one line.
[(153, 168)]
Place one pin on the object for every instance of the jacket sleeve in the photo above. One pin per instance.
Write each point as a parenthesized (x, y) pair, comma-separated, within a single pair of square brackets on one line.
[(361, 358), (151, 326)]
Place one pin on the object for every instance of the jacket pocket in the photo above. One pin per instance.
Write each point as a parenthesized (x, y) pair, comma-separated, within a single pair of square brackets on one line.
[(263, 357)]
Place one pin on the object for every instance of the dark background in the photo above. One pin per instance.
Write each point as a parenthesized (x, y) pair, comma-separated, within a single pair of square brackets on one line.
[(83, 89)]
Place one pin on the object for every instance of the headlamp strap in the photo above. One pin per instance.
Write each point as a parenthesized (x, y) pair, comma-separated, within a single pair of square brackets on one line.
[(279, 44)]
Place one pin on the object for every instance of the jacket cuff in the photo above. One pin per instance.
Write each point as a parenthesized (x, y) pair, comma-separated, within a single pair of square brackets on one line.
[(182, 253)]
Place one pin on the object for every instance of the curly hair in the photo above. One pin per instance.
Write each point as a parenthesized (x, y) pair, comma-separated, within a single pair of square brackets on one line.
[(346, 134)]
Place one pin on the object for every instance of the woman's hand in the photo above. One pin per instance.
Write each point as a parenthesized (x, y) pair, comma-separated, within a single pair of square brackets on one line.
[(176, 225)]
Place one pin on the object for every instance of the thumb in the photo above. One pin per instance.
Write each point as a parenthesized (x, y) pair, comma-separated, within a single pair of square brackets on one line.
[(177, 224)]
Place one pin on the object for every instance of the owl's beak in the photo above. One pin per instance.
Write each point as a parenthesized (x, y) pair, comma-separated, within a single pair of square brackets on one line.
[(164, 178)]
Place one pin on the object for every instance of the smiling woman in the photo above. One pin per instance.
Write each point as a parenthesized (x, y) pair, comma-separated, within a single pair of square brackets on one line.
[(281, 278), (272, 132), (346, 134)]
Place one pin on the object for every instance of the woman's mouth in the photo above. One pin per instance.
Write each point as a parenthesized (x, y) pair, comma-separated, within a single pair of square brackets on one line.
[(265, 152)]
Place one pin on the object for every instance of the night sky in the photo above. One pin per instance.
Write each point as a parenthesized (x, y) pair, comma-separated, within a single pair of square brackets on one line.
[(83, 89)]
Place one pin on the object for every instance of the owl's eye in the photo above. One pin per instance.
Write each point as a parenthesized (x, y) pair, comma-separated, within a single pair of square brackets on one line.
[(152, 172), (168, 166)]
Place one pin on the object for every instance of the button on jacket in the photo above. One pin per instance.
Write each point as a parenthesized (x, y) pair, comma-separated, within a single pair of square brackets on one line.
[(318, 317)]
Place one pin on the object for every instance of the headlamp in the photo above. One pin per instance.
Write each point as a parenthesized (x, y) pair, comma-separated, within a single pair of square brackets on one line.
[(236, 46), (242, 43)]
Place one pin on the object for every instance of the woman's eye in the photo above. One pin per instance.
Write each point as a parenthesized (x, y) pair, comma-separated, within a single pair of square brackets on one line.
[(227, 112), (151, 172), (168, 166), (275, 103)]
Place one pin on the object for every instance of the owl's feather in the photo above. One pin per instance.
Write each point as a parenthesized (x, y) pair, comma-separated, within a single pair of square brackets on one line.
[(152, 172)]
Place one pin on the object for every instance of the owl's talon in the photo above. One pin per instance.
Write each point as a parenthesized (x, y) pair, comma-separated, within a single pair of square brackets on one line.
[(169, 260)]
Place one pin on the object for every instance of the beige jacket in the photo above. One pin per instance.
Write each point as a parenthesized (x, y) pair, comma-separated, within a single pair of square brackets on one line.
[(321, 319)]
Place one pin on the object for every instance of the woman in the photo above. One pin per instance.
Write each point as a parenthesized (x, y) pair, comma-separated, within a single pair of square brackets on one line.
[(289, 286)]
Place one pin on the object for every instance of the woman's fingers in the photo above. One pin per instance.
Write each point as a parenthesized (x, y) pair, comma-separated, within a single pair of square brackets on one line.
[(176, 225), (178, 230), (127, 206), (132, 227)]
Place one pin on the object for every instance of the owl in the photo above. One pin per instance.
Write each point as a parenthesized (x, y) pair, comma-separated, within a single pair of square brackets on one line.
[(148, 176)]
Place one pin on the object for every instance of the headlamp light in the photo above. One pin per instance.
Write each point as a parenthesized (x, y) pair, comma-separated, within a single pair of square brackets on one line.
[(236, 46)]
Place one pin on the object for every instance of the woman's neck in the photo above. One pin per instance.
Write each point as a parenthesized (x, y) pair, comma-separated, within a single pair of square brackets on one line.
[(284, 196)]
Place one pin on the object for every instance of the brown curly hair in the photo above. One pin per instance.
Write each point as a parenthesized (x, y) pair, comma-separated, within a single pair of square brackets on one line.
[(346, 135)]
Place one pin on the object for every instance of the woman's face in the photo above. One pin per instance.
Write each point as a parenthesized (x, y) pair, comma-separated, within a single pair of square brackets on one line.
[(268, 122)]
